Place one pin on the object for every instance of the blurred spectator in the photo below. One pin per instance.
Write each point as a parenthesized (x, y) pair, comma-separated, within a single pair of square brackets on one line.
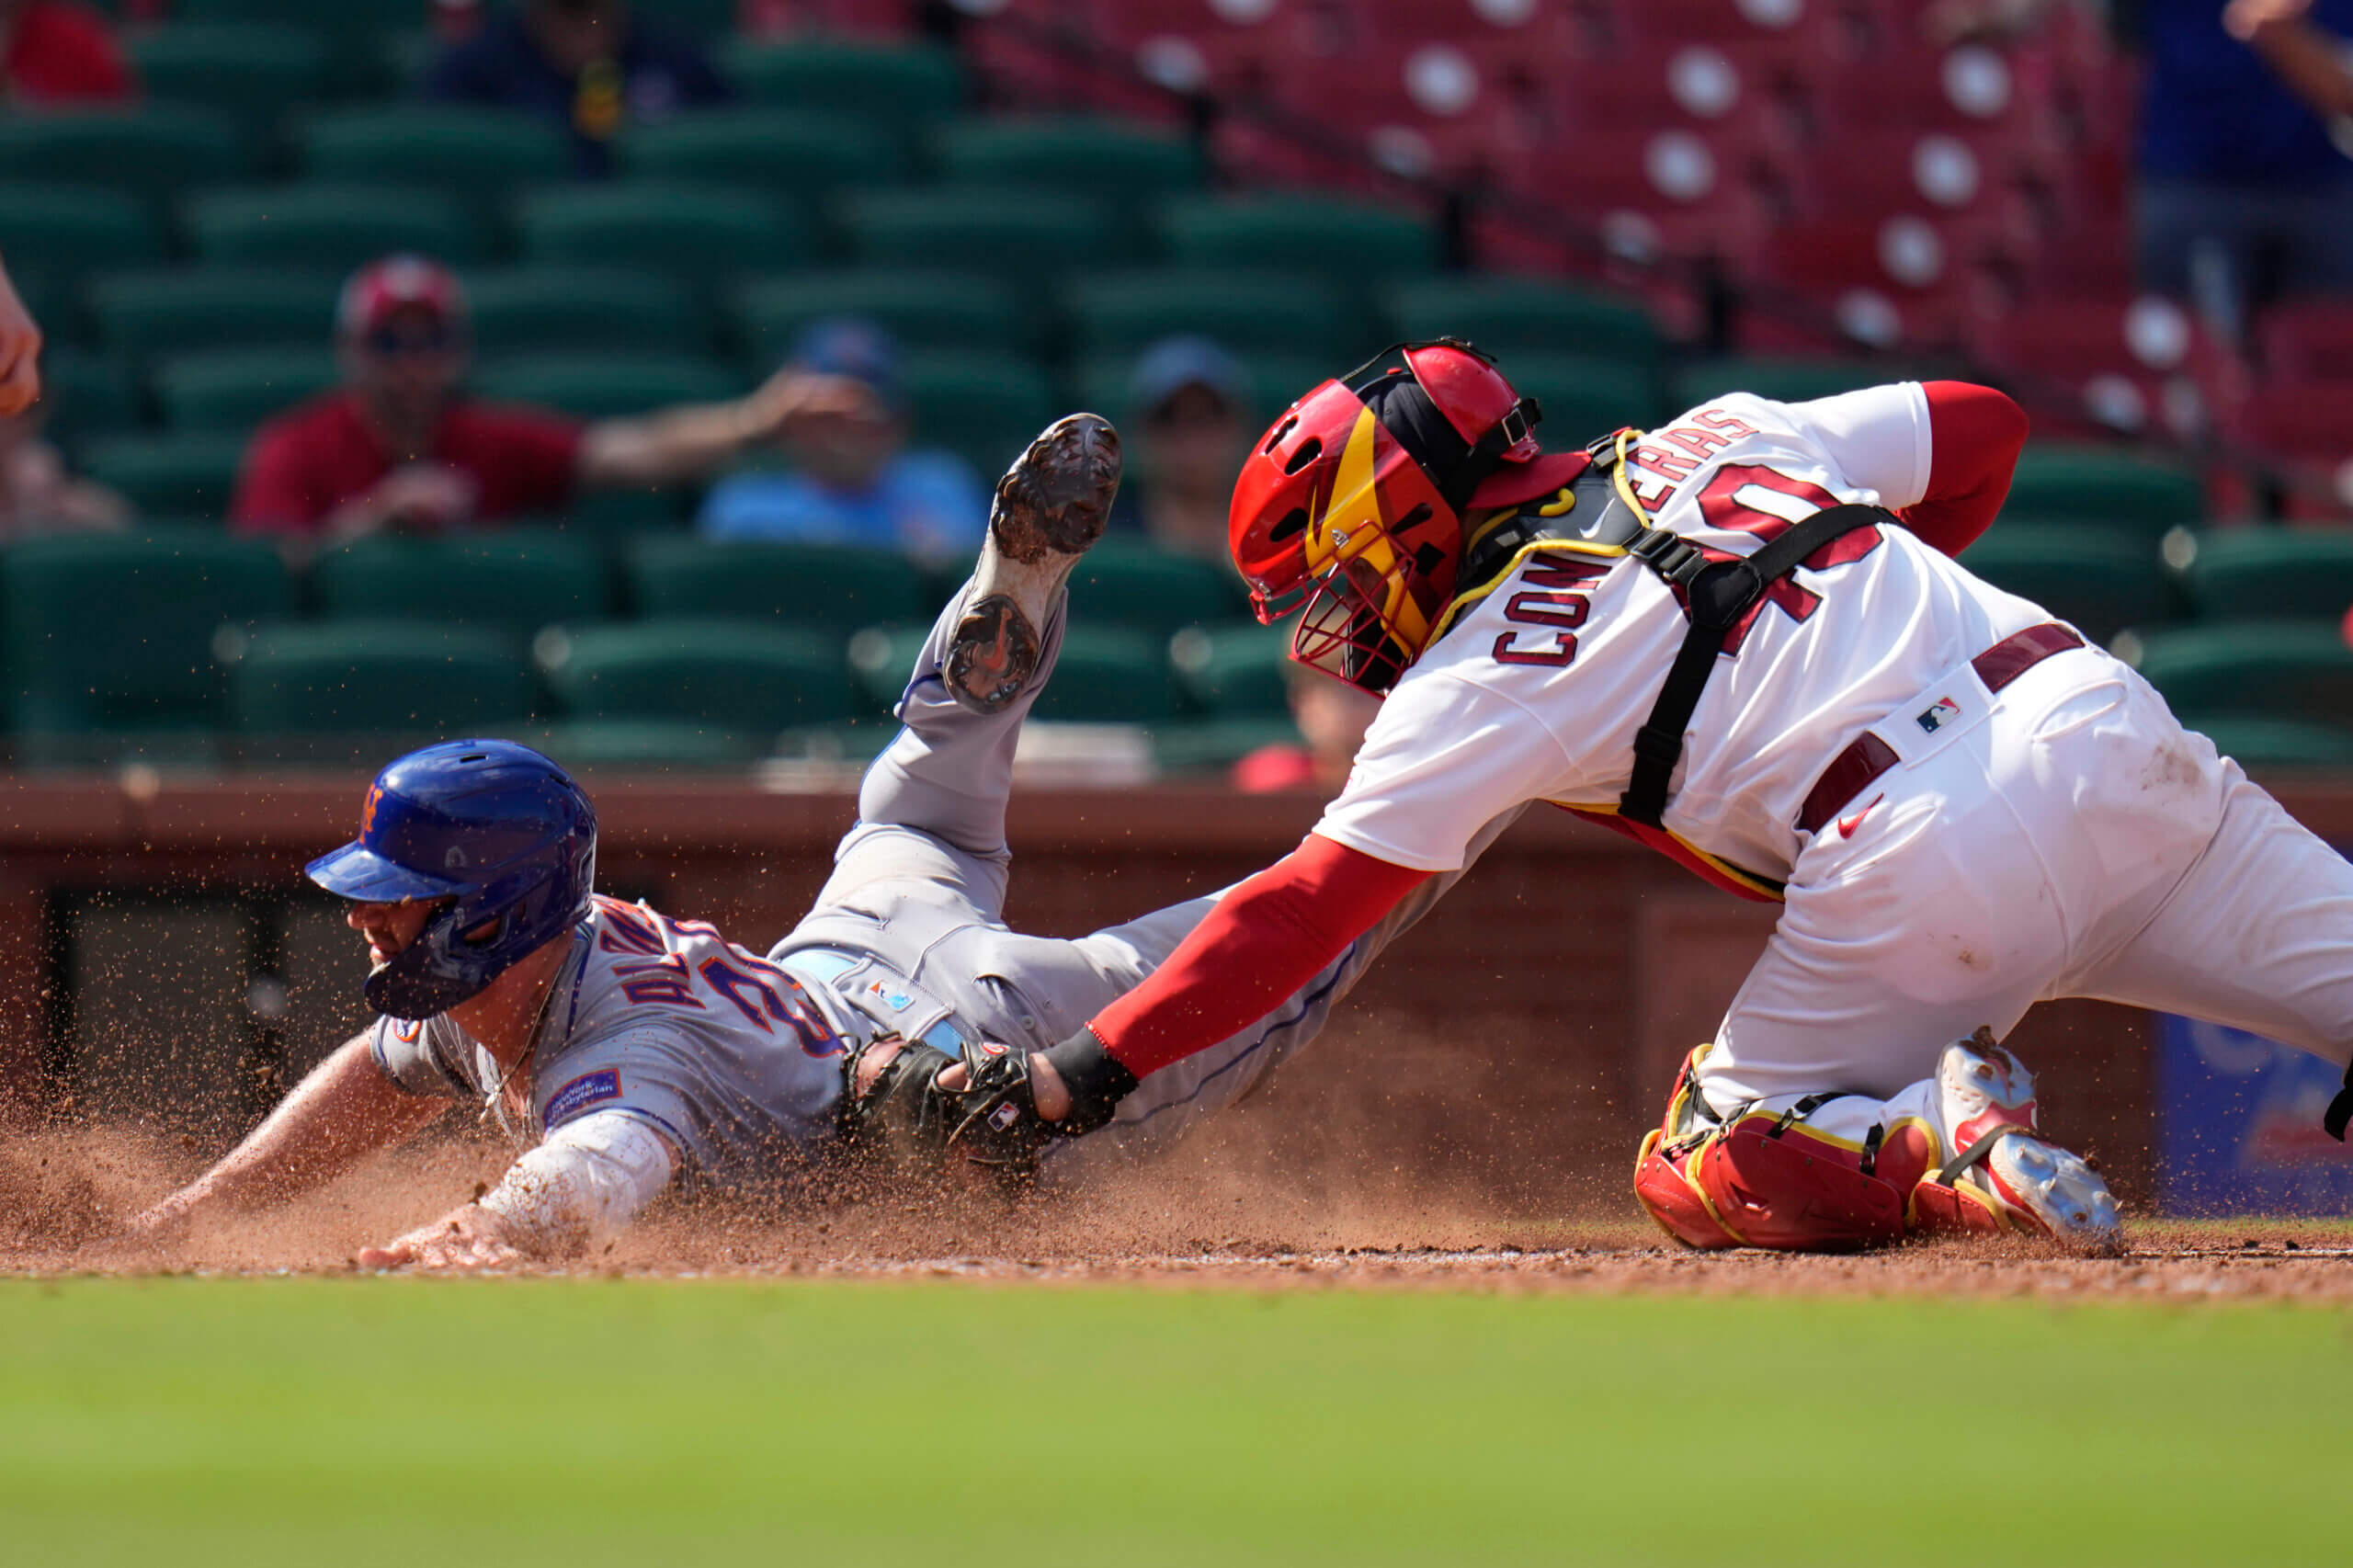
[(38, 496), (1331, 717), (57, 52), (19, 350), (592, 64), (852, 479), (401, 447), (1187, 399), (2245, 193)]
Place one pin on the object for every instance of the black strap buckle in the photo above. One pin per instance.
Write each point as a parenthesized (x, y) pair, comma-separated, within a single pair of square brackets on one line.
[(1519, 421), (1669, 555), (2339, 1113)]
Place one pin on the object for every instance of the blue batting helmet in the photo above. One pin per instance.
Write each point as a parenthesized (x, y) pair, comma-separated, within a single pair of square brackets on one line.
[(496, 829)]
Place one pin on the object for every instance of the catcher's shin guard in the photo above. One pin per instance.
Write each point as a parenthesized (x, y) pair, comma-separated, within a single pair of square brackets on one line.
[(1767, 1179)]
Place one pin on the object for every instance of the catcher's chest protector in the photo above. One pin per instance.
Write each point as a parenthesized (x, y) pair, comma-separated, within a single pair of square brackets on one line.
[(1597, 519)]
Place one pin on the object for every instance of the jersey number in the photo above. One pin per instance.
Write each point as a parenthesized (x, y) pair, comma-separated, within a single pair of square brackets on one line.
[(1765, 502)]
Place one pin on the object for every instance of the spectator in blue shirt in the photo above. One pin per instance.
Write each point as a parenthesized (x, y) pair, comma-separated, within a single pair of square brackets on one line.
[(591, 65), (852, 479), (2246, 186)]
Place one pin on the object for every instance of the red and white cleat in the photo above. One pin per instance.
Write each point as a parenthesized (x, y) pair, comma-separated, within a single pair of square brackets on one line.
[(1985, 1106)]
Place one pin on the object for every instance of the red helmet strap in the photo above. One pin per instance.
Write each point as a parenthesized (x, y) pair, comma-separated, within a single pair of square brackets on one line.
[(1456, 468)]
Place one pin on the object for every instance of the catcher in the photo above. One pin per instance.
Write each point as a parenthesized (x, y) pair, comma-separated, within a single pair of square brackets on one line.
[(624, 1051), (1745, 639)]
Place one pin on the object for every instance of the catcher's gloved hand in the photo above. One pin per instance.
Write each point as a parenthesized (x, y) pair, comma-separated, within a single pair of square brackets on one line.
[(911, 1119)]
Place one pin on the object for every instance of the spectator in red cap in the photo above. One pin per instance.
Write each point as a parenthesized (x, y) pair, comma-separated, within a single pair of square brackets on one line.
[(55, 52), (400, 445)]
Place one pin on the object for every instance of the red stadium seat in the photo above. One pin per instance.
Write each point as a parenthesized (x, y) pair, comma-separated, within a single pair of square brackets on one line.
[(2306, 429), (2307, 340), (1901, 274), (2144, 364)]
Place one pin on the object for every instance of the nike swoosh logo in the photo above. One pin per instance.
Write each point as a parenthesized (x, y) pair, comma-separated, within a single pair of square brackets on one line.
[(1847, 825)]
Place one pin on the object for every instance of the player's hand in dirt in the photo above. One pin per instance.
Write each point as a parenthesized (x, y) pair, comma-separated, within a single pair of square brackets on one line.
[(19, 352), (464, 1240)]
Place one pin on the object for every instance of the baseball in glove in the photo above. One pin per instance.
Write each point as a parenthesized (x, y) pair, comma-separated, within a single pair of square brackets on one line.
[(903, 1116)]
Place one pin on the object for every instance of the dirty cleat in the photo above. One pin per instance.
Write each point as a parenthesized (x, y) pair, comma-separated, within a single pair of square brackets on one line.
[(1985, 1101), (1049, 507)]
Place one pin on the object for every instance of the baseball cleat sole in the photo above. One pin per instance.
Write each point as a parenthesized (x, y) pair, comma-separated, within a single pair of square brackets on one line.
[(2057, 1189), (1049, 507)]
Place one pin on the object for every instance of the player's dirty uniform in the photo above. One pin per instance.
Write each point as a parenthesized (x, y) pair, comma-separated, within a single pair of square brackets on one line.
[(667, 1051), (1965, 807)]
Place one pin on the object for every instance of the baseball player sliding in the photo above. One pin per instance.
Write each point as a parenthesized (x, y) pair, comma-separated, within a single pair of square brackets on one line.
[(625, 1051), (1745, 640)]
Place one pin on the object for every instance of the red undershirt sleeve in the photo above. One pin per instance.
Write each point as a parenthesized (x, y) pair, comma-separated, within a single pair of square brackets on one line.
[(1264, 940), (1975, 436)]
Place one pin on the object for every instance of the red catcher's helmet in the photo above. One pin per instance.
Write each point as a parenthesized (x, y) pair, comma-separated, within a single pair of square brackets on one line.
[(1353, 502)]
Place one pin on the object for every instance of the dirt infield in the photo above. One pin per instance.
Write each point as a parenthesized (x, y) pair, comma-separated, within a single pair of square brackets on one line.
[(1225, 1217)]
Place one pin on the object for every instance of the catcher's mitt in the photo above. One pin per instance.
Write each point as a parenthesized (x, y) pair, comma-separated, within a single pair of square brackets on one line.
[(907, 1121), (910, 1121)]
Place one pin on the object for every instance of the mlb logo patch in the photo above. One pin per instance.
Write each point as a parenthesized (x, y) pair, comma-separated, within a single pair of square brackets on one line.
[(589, 1089), (1943, 712), (897, 1001)]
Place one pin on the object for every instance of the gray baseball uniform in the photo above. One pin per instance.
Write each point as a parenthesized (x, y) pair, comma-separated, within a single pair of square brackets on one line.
[(738, 1060)]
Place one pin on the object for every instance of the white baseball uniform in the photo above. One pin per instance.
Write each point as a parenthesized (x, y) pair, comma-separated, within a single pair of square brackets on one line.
[(2062, 837)]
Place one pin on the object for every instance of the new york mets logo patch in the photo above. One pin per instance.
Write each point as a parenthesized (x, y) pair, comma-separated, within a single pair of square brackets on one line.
[(577, 1096)]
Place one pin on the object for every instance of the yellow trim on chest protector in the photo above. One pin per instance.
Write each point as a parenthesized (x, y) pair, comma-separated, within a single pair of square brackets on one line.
[(1560, 506)]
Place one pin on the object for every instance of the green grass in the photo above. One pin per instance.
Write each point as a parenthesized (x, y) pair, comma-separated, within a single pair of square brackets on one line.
[(349, 1422)]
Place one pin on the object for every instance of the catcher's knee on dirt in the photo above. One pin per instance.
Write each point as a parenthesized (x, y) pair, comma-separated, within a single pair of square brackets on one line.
[(1769, 1179)]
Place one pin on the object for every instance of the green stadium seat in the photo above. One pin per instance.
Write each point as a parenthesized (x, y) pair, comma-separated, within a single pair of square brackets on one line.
[(141, 315), (2291, 670), (1272, 382), (234, 390), (1023, 237), (153, 151), (553, 309), (1781, 380), (352, 32), (87, 396), (597, 386), (789, 153), (1244, 311), (332, 228), (511, 582), (2271, 574), (375, 685), (1136, 165), (370, 16), (983, 407), (179, 476), (1109, 675), (481, 154), (708, 20), (747, 681), (1236, 670), (1585, 397), (252, 72), (116, 630), (640, 745), (1508, 316), (74, 230), (2093, 485), (1348, 242), (2101, 579), (924, 310), (704, 234), (1129, 584), (774, 582), (903, 90), (2276, 743), (613, 517), (1215, 745)]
